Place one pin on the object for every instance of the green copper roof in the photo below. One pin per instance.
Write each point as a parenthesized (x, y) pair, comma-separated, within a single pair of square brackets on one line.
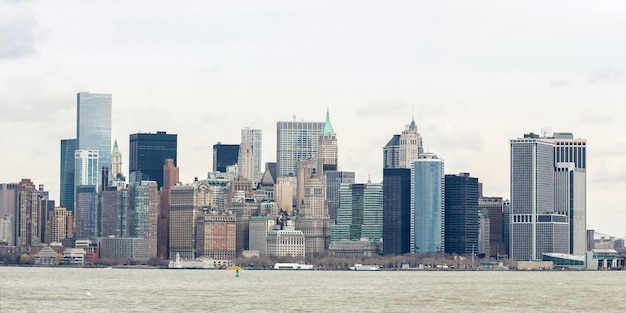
[(328, 128), (115, 149)]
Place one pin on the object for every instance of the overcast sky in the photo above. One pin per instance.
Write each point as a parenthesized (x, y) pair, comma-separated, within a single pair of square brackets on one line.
[(475, 74)]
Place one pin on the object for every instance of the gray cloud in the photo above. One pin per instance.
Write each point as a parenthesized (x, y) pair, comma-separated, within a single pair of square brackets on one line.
[(17, 32), (605, 75)]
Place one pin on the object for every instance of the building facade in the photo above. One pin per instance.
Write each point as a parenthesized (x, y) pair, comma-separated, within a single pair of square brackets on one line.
[(148, 153), (328, 151), (427, 205), (461, 214), (334, 179), (403, 149), (396, 211), (360, 215), (93, 125), (255, 138), (296, 141), (67, 186), (224, 155)]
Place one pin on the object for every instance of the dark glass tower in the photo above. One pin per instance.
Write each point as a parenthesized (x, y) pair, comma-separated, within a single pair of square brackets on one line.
[(66, 198), (396, 211), (148, 153), (461, 214), (224, 155)]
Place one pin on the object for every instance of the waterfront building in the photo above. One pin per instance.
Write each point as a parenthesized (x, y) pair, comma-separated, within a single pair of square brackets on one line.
[(224, 155), (60, 225), (144, 214), (427, 204), (115, 206), (216, 236), (259, 226), (286, 243), (313, 219), (327, 148), (170, 178), (86, 210), (186, 204), (536, 226), (360, 214), (334, 179), (93, 126), (124, 248), (67, 186), (31, 211), (396, 211), (495, 215), (484, 243), (148, 153), (8, 213), (255, 138), (461, 214), (358, 248), (296, 141)]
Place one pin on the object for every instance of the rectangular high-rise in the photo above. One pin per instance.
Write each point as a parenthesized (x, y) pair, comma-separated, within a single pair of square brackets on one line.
[(224, 155), (93, 125), (148, 153), (67, 187), (461, 214), (427, 205), (296, 141), (536, 226), (396, 211), (255, 138), (360, 214)]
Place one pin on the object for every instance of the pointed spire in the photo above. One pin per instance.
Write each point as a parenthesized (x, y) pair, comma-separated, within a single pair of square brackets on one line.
[(328, 128), (413, 125), (115, 148)]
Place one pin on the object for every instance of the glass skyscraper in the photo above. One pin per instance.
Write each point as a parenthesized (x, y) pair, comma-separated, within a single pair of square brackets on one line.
[(148, 153), (397, 211), (461, 214), (360, 214), (296, 141), (224, 155), (93, 125), (67, 187), (427, 204)]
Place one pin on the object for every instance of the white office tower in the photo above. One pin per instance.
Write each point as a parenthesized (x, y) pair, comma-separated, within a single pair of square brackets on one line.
[(254, 137)]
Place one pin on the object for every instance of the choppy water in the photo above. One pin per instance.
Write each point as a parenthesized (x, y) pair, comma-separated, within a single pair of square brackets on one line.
[(150, 290)]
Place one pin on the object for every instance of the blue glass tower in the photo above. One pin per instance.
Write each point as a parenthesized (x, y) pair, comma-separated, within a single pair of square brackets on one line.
[(427, 204), (68, 146), (93, 125)]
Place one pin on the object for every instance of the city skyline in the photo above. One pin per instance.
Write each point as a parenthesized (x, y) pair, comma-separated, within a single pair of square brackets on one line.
[(472, 75)]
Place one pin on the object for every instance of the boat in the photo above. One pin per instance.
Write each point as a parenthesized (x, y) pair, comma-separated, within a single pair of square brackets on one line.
[(292, 266), (361, 267)]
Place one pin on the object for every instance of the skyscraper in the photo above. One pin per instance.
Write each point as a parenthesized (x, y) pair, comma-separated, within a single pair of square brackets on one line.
[(245, 160), (296, 141), (334, 179), (148, 153), (427, 205), (536, 226), (93, 125), (87, 219), (403, 149), (115, 204), (461, 214), (31, 207), (494, 207), (67, 187), (360, 214), (570, 157), (144, 213), (396, 211), (187, 203), (116, 163), (254, 137), (170, 178), (224, 155), (313, 219), (327, 148)]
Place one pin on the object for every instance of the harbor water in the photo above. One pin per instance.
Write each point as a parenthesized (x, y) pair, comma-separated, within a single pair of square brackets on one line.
[(32, 289)]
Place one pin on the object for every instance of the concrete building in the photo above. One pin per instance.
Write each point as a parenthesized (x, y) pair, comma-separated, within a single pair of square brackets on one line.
[(60, 225), (216, 236), (144, 214), (296, 141), (402, 150), (86, 220), (124, 248), (115, 206), (116, 163), (255, 138), (245, 162), (187, 202), (31, 211), (427, 205), (8, 213), (284, 192), (494, 208), (354, 248), (313, 219), (286, 242), (327, 156), (170, 179)]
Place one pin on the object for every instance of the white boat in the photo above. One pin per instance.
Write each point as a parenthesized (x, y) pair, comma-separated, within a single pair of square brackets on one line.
[(361, 267), (292, 266)]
